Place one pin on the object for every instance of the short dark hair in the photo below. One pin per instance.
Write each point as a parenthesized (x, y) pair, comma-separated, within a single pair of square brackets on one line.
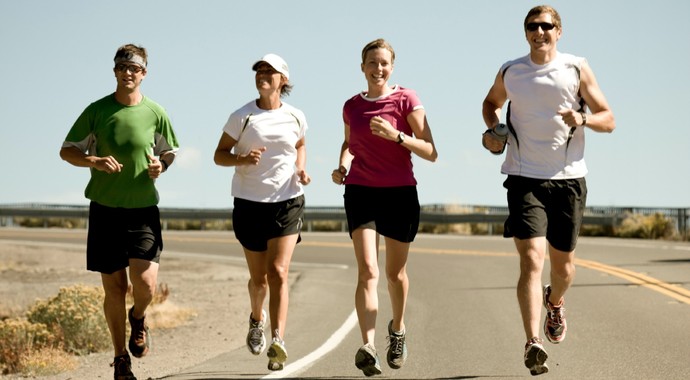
[(129, 50)]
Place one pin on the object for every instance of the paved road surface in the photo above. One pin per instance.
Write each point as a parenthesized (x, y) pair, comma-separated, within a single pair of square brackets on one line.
[(628, 311)]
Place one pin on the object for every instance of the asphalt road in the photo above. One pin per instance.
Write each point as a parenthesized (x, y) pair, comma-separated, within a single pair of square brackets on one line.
[(628, 310)]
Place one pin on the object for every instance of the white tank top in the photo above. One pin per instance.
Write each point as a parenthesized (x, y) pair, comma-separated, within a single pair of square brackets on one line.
[(545, 147)]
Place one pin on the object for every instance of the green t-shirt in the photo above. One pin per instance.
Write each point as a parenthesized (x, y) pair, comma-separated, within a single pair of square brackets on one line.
[(129, 134)]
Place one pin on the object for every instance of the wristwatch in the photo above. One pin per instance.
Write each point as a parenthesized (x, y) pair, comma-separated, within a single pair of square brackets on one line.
[(401, 137)]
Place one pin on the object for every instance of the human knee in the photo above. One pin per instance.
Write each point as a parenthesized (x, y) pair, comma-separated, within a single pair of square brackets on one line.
[(368, 273), (396, 276), (259, 283), (565, 271), (531, 264), (277, 274)]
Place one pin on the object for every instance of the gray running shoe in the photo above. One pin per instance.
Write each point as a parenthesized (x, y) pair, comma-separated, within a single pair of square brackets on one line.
[(535, 357), (256, 340), (367, 360), (397, 348), (277, 354), (555, 326)]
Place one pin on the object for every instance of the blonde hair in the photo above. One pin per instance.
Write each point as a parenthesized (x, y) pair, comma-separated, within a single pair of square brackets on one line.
[(379, 43)]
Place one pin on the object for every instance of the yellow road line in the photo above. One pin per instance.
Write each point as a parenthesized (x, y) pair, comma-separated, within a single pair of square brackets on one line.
[(674, 291)]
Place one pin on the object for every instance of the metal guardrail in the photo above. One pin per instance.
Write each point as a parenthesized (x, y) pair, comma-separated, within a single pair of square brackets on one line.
[(434, 214)]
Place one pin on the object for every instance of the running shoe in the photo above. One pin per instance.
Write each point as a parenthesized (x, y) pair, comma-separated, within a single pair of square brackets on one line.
[(397, 348), (367, 360), (535, 357), (277, 354), (123, 368), (256, 340), (555, 326), (140, 336)]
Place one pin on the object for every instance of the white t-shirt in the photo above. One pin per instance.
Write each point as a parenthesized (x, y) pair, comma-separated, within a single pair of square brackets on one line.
[(546, 147), (274, 178)]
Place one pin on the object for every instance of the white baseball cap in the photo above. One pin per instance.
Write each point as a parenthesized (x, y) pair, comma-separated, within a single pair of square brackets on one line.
[(276, 62)]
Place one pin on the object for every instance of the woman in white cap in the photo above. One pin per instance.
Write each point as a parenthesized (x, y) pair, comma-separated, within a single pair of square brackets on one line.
[(383, 127), (265, 141)]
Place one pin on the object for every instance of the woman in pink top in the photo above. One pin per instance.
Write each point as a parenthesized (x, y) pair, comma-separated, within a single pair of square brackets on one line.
[(383, 127)]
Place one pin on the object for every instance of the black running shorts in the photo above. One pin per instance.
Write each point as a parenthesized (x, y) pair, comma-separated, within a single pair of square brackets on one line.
[(255, 223), (551, 208), (391, 211), (117, 235)]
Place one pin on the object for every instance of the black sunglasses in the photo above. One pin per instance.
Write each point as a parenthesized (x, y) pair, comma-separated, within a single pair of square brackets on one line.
[(533, 26), (134, 69)]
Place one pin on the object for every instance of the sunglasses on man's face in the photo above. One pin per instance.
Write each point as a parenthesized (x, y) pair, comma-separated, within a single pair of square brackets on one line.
[(134, 69), (533, 26)]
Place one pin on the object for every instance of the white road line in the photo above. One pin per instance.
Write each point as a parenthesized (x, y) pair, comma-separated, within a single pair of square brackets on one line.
[(315, 355)]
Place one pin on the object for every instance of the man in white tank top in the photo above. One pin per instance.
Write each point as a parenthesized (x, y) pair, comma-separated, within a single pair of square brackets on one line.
[(548, 95)]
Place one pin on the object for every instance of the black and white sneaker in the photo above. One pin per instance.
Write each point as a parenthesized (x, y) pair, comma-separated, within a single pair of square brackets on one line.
[(397, 348), (256, 340)]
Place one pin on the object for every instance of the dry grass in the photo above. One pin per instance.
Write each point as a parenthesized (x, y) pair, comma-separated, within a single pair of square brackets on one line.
[(655, 226), (18, 338), (46, 361), (71, 323)]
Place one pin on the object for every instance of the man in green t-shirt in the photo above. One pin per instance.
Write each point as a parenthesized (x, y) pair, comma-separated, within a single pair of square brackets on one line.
[(127, 141)]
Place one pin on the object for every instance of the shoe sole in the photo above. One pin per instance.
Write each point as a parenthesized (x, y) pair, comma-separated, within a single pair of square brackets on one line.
[(277, 356), (366, 363), (535, 360)]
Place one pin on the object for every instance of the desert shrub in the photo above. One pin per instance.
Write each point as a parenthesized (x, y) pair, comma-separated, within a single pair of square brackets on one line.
[(76, 316), (17, 339), (486, 229), (596, 230), (51, 222), (656, 226), (45, 362), (198, 225), (327, 225)]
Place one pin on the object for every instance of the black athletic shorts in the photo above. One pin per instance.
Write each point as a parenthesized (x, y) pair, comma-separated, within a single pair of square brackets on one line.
[(255, 223), (391, 211), (118, 234), (551, 208)]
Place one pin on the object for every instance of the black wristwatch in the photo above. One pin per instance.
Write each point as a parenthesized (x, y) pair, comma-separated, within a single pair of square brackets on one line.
[(401, 137)]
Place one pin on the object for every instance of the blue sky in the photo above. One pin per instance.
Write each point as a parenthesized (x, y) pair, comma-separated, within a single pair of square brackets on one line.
[(57, 59)]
